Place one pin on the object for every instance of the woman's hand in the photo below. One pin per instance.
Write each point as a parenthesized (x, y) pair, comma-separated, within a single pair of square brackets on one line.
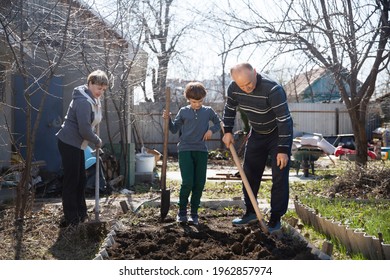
[(99, 145)]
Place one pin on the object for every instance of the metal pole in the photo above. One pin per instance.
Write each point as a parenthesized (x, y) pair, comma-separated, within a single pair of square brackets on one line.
[(97, 179)]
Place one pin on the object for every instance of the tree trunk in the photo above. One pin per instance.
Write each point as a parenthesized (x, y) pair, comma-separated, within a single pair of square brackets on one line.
[(161, 83), (359, 130)]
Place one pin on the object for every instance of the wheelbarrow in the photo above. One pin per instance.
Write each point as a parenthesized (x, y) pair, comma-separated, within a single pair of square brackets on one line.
[(305, 156)]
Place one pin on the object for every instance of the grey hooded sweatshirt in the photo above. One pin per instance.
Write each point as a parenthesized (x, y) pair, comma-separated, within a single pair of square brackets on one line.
[(84, 113)]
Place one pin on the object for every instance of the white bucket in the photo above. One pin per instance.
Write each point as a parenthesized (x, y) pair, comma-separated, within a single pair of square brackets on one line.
[(326, 147), (144, 162)]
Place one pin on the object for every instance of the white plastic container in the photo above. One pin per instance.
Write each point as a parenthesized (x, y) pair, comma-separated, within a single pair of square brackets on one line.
[(311, 140), (326, 146), (144, 163)]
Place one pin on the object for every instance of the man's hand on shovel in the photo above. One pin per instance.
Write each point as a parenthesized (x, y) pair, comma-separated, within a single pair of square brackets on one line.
[(228, 139)]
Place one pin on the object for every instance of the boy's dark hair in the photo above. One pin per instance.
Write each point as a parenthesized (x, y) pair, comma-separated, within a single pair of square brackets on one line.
[(98, 77), (195, 90)]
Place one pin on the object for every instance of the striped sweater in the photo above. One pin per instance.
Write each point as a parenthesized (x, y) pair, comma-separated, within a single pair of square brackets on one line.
[(266, 108)]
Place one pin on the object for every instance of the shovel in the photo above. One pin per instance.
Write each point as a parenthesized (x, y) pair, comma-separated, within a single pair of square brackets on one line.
[(248, 188), (246, 185), (165, 194), (97, 181)]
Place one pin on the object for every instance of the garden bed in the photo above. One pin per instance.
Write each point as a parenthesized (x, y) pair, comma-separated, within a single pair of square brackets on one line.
[(145, 237)]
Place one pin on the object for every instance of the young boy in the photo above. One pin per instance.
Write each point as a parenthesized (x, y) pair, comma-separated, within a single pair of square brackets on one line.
[(193, 123)]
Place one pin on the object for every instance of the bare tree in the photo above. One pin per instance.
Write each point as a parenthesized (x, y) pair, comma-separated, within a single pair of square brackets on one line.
[(161, 37), (44, 38), (349, 38), (24, 30), (125, 62)]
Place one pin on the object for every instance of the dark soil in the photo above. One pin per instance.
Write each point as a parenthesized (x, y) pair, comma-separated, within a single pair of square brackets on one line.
[(214, 238)]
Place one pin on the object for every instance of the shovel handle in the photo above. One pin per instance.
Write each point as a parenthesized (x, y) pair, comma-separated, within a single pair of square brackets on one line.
[(248, 188), (166, 134), (97, 177)]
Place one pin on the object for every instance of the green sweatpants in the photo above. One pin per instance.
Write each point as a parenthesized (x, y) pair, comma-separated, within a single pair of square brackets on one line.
[(193, 168)]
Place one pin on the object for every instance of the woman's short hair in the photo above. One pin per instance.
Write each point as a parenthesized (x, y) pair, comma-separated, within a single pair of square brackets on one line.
[(98, 77)]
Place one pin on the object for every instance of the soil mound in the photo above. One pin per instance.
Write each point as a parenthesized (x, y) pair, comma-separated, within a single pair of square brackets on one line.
[(214, 238)]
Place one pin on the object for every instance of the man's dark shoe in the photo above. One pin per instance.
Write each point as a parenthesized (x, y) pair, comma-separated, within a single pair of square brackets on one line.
[(274, 224), (246, 219)]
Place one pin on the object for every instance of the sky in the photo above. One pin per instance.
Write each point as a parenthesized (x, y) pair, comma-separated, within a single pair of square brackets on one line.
[(200, 49)]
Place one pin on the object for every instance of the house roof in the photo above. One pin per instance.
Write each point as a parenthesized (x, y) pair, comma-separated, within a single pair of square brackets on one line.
[(86, 8), (298, 84), (383, 97)]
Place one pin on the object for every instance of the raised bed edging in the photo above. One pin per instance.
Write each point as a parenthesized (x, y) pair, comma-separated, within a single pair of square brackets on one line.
[(108, 241), (215, 204), (354, 240), (314, 250)]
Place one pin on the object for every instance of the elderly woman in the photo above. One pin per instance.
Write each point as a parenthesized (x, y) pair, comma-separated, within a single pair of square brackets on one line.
[(77, 130)]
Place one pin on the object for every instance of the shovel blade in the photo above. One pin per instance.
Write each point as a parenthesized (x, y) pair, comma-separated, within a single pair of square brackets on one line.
[(165, 203)]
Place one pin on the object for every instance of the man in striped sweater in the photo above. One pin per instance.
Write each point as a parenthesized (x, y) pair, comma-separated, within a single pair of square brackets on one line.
[(265, 104)]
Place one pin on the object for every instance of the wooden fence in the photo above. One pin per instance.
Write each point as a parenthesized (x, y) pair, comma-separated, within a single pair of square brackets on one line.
[(326, 119)]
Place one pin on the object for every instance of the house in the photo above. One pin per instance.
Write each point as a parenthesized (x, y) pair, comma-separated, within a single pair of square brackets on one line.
[(91, 43), (329, 116), (316, 85), (384, 103)]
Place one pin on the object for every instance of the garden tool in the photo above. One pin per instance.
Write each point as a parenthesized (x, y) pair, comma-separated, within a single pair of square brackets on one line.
[(97, 179), (248, 188), (165, 194), (247, 185)]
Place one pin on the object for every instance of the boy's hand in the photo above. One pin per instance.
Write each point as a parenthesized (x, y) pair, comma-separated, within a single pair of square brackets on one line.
[(207, 135), (166, 115)]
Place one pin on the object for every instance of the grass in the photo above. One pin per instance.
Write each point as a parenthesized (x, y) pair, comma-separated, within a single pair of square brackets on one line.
[(359, 205), (372, 216), (317, 239)]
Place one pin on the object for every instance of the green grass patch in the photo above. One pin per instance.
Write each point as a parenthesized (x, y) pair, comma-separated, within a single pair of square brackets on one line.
[(372, 216), (317, 239)]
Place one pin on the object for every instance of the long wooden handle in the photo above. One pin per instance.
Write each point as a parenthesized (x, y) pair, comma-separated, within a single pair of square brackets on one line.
[(97, 177), (166, 134), (248, 188)]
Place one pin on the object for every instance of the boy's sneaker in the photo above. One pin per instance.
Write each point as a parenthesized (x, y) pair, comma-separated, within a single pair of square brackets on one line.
[(181, 217), (246, 219), (274, 224), (193, 219)]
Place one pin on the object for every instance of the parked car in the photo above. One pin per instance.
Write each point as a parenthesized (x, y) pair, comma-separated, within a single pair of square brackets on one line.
[(345, 145), (346, 141)]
